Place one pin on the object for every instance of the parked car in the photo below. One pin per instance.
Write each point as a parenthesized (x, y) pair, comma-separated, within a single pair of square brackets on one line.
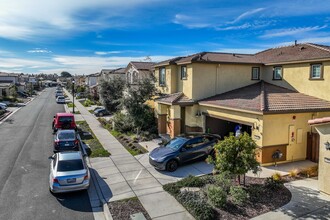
[(3, 106), (58, 93), (22, 94), (64, 121), (80, 95), (66, 140), (60, 99), (68, 172), (181, 150), (101, 112)]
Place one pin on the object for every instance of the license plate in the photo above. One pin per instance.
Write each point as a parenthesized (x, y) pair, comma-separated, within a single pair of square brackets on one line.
[(66, 144), (72, 180)]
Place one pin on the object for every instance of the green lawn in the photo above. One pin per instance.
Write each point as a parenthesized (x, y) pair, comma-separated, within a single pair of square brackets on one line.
[(94, 144)]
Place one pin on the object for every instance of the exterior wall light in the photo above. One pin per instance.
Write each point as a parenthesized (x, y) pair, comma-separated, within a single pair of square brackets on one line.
[(327, 145), (198, 114)]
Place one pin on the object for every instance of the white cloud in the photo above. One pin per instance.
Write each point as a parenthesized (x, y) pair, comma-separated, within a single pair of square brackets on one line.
[(246, 14), (34, 19), (291, 31), (21, 63), (39, 50), (106, 52)]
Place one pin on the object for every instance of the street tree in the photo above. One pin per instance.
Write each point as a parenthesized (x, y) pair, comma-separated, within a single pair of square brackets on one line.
[(111, 92), (236, 155), (65, 74)]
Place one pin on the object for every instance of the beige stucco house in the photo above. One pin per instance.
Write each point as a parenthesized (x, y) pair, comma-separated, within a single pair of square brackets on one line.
[(272, 94)]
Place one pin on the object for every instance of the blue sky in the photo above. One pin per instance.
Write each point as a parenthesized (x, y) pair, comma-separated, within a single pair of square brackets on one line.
[(85, 36)]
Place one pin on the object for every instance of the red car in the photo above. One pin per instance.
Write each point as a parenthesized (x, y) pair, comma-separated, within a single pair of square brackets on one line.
[(64, 121)]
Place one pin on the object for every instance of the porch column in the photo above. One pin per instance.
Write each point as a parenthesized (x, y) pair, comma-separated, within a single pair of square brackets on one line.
[(175, 120)]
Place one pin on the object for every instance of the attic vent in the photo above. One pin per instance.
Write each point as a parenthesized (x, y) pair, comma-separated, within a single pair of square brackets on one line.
[(301, 48), (234, 54)]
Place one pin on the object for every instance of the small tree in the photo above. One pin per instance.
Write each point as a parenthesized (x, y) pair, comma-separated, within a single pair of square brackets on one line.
[(111, 91), (133, 102), (236, 155), (65, 74)]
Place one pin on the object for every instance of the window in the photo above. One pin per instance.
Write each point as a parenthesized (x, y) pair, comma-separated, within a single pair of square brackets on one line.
[(255, 73), (162, 76), (135, 77), (316, 71), (183, 72), (277, 73)]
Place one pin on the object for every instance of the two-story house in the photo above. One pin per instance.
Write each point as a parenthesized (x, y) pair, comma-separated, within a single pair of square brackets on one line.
[(91, 82), (137, 71), (7, 80), (271, 94)]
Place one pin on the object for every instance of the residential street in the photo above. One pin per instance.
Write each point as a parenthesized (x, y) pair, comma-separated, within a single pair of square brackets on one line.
[(26, 144)]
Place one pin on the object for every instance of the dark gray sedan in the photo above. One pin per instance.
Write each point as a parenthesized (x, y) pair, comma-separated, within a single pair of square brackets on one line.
[(182, 150)]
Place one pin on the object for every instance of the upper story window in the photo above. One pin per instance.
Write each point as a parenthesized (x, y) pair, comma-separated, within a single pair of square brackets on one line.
[(255, 73), (316, 71), (135, 77), (277, 73), (162, 76), (183, 72)]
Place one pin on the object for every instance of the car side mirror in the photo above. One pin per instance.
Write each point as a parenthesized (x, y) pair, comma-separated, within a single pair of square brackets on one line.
[(54, 116), (51, 158)]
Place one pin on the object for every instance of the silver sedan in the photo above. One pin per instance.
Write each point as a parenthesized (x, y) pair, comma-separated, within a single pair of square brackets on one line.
[(68, 172)]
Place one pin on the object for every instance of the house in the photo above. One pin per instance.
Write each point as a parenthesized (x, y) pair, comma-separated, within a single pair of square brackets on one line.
[(137, 71), (322, 126), (109, 74), (271, 94), (9, 78), (91, 82), (4, 89)]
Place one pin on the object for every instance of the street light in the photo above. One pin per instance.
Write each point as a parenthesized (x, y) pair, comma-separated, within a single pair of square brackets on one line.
[(73, 96)]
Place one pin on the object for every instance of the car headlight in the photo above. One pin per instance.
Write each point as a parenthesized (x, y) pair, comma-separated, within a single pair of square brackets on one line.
[(161, 159)]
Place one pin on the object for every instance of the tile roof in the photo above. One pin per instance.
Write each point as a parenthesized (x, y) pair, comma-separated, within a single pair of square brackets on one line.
[(175, 99), (142, 65), (214, 57), (298, 52), (267, 98)]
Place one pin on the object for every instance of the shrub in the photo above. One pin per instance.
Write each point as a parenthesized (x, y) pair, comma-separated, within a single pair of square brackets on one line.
[(224, 180), (293, 173), (310, 171), (274, 182), (217, 196), (191, 181), (255, 192), (172, 188), (208, 179), (131, 145), (196, 205), (238, 195), (122, 123)]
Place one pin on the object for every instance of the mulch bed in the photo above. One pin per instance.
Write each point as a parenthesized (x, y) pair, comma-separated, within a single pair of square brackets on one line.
[(123, 209), (262, 202)]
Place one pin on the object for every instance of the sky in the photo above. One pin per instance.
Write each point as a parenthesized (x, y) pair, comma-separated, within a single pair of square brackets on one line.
[(85, 36)]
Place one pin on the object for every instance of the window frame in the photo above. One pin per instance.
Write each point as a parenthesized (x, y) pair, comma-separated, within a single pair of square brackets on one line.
[(183, 76), (311, 72), (252, 77), (161, 83), (274, 70)]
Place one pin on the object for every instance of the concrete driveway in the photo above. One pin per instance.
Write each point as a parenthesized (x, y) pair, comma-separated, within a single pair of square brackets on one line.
[(198, 168)]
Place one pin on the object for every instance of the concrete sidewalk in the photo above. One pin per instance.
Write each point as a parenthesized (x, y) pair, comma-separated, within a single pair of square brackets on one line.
[(306, 203), (122, 176)]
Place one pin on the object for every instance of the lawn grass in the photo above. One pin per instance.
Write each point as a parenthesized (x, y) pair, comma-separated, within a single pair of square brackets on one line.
[(70, 105), (76, 112), (94, 144)]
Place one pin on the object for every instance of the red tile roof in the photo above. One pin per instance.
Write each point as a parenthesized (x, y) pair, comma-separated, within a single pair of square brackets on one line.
[(267, 98), (175, 99)]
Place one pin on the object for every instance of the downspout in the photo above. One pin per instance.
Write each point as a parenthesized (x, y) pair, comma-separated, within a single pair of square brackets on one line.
[(216, 80)]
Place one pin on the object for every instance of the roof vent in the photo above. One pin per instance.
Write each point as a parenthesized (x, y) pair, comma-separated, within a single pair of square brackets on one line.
[(234, 54), (301, 48)]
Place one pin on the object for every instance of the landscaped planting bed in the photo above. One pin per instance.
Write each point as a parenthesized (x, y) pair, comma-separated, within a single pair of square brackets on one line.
[(221, 197), (121, 210), (96, 147)]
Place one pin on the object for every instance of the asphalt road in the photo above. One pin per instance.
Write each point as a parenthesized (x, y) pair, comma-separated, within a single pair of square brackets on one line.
[(25, 145)]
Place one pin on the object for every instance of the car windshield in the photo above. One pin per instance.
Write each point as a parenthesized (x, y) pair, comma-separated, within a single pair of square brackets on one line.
[(176, 143), (66, 119), (66, 135), (70, 165)]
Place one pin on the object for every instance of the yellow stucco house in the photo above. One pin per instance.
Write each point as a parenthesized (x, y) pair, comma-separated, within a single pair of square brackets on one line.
[(272, 94)]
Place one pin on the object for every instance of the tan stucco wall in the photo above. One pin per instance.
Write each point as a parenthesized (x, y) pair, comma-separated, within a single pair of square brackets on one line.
[(296, 76), (171, 79), (277, 130), (324, 167)]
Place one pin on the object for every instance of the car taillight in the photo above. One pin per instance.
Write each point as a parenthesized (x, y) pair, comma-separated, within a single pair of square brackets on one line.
[(76, 142), (86, 177), (57, 142), (55, 180)]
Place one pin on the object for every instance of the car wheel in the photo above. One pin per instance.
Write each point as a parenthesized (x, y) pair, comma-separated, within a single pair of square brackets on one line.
[(172, 165)]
